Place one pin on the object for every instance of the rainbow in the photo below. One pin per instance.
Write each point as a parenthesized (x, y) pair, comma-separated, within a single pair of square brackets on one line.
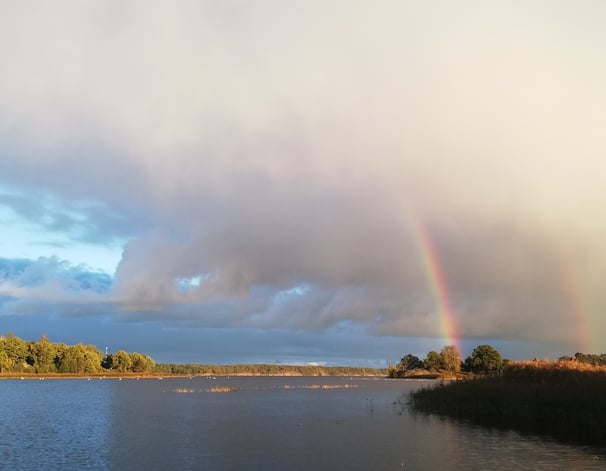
[(437, 281), (580, 311)]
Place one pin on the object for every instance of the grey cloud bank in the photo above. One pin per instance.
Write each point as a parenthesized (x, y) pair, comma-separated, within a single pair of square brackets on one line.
[(274, 151)]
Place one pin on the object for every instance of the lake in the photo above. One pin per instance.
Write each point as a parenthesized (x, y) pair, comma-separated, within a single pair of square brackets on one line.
[(262, 423)]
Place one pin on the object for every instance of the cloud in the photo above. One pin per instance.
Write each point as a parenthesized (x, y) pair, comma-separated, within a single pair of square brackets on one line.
[(274, 152), (51, 285), (81, 221)]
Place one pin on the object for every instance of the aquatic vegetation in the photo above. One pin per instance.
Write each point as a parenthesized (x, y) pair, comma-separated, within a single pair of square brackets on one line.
[(562, 399), (321, 386), (225, 389), (222, 389)]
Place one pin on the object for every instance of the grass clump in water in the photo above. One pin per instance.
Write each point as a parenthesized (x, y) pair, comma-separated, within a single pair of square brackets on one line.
[(222, 389)]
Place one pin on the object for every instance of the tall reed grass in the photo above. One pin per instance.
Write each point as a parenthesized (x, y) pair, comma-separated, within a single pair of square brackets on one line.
[(566, 400)]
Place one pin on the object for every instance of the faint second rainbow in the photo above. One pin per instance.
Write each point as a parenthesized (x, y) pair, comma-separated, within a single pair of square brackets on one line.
[(436, 278), (580, 311)]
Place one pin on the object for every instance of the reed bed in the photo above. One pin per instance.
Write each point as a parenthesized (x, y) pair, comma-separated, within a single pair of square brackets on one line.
[(222, 389), (225, 389), (320, 386), (218, 389), (562, 399)]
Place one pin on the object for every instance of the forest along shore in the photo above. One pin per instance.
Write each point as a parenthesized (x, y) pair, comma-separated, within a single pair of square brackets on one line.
[(51, 376), (23, 358)]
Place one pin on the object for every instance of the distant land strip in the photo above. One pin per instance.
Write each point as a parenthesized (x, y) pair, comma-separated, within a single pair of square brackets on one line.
[(176, 370), (23, 359)]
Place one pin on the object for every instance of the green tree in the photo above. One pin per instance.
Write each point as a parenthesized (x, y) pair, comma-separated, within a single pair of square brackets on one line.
[(108, 362), (433, 361), (80, 359), (43, 355), (466, 366), (407, 363), (122, 361), (486, 360), (4, 361), (141, 363), (60, 353), (17, 353), (451, 359)]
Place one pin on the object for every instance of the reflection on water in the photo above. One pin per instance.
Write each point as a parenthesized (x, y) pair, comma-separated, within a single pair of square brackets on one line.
[(257, 424)]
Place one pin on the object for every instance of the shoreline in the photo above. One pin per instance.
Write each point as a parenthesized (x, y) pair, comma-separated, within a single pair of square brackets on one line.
[(51, 376), (45, 376)]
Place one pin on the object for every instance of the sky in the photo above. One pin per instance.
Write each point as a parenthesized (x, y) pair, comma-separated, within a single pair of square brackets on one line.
[(334, 182)]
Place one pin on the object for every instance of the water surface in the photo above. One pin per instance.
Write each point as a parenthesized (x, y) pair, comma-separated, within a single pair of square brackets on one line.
[(263, 424)]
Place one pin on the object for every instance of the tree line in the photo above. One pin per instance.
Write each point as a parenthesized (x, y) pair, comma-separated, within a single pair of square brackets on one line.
[(588, 358), (267, 370), (44, 356), (484, 359)]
